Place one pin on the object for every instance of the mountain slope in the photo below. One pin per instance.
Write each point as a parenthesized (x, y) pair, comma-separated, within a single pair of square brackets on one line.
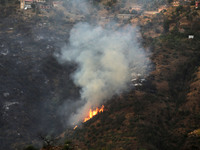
[(164, 112)]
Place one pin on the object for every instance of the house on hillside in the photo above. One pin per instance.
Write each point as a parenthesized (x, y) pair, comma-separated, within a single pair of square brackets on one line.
[(25, 4), (124, 16), (197, 4), (21, 4), (176, 3), (57, 3)]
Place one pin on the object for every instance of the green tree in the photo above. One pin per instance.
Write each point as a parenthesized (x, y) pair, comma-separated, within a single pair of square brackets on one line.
[(68, 145), (30, 147)]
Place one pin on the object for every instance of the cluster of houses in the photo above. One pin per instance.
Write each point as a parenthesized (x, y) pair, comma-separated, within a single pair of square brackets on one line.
[(179, 2), (42, 4)]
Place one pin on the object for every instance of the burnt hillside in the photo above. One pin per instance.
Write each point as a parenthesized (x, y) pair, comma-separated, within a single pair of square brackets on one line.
[(31, 80)]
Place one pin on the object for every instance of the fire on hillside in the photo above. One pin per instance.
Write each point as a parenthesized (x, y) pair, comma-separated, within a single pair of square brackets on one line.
[(92, 113)]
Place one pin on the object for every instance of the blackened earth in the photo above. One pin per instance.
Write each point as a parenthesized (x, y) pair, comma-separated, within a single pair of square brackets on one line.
[(33, 85)]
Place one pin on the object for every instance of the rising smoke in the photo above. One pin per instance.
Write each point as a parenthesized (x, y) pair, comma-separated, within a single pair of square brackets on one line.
[(106, 57)]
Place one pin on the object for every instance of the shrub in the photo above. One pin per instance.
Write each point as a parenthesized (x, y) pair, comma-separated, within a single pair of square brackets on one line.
[(179, 9), (30, 147), (166, 25), (68, 145)]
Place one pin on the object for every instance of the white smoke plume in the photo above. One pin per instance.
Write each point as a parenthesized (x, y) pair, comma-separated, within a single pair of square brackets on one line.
[(106, 57)]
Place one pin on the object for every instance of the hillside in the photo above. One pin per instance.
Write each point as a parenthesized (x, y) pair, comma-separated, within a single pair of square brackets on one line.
[(164, 112), (160, 111)]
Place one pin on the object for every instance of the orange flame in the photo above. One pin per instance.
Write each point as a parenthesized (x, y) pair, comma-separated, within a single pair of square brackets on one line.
[(92, 113), (75, 127)]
